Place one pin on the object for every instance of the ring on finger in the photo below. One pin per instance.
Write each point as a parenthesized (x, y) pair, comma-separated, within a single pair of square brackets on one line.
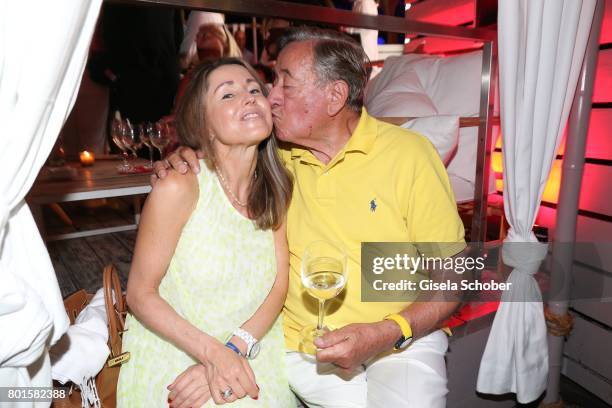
[(227, 393)]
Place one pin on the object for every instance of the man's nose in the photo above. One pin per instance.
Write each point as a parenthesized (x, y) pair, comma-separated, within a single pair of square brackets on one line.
[(274, 97)]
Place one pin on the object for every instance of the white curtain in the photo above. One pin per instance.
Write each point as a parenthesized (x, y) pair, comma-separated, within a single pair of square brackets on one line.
[(541, 47), (43, 50)]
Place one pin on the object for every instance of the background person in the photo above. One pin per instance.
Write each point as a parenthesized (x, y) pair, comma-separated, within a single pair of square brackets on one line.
[(213, 41)]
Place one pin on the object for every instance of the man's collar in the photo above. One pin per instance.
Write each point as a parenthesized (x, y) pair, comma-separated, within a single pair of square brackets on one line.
[(361, 140), (297, 152), (364, 135)]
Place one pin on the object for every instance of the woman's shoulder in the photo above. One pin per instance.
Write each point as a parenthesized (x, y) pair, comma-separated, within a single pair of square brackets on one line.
[(177, 187)]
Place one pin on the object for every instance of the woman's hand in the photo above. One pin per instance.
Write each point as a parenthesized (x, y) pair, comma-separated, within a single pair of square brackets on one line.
[(227, 370), (190, 388)]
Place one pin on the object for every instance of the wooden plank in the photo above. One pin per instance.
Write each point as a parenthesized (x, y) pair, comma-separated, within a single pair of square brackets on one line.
[(64, 276), (127, 239), (603, 77), (83, 267), (595, 188), (593, 245), (594, 309), (463, 121), (325, 16), (595, 383), (592, 293), (109, 250), (588, 344)]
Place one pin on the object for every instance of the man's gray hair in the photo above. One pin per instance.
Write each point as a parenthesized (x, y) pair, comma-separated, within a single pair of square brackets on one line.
[(336, 56)]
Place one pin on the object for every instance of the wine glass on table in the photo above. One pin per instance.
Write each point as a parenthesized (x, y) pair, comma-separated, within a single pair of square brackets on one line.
[(130, 139), (117, 136), (323, 275), (160, 138), (144, 131)]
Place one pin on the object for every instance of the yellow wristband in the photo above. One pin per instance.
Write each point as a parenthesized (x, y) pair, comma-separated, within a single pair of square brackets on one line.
[(402, 323)]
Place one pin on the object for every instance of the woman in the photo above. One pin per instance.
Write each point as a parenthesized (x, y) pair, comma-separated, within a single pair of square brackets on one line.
[(211, 255)]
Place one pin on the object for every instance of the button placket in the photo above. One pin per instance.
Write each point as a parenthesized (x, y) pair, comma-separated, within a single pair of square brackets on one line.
[(326, 186)]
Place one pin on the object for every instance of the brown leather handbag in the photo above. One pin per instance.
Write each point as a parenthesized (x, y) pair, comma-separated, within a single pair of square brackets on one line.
[(106, 380)]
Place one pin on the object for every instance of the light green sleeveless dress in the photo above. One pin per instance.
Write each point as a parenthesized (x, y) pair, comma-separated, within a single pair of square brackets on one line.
[(221, 271)]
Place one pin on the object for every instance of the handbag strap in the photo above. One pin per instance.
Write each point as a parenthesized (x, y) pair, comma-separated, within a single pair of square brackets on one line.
[(75, 303), (116, 310)]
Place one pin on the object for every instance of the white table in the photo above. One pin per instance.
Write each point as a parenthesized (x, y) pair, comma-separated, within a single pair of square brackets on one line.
[(87, 183)]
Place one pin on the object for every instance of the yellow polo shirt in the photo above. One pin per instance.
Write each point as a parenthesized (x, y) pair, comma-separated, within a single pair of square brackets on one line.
[(401, 173)]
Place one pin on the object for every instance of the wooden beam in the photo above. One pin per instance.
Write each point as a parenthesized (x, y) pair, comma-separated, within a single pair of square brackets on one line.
[(463, 121)]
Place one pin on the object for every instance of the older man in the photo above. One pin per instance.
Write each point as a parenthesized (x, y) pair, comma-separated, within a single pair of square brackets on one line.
[(356, 180)]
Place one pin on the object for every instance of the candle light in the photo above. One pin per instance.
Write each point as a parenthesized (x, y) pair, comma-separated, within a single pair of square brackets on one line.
[(87, 158)]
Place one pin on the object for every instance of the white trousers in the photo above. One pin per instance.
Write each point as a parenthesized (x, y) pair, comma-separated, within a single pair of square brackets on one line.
[(415, 377)]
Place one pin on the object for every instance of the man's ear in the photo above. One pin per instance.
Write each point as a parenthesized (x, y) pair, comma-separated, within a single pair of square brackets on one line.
[(337, 95)]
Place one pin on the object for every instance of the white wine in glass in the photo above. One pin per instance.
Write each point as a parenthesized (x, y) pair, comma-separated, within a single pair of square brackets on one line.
[(323, 277)]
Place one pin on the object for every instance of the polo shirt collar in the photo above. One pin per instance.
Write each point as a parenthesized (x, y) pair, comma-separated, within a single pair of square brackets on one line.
[(361, 140)]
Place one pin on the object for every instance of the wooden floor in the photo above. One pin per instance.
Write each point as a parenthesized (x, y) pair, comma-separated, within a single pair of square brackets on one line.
[(79, 262)]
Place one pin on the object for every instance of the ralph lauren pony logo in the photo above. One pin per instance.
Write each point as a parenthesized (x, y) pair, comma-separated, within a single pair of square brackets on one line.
[(373, 205)]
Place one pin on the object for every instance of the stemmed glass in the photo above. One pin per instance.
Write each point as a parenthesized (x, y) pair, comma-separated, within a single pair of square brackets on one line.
[(324, 277), (159, 137), (130, 138), (144, 132), (117, 129)]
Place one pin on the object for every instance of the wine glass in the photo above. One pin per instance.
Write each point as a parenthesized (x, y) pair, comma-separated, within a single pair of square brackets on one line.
[(144, 131), (324, 277), (159, 137), (129, 138), (117, 126)]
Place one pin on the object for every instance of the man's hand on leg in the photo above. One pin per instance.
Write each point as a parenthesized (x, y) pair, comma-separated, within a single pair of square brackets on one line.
[(351, 345)]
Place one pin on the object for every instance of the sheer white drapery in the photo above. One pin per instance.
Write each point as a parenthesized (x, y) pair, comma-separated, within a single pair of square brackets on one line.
[(43, 50), (541, 47)]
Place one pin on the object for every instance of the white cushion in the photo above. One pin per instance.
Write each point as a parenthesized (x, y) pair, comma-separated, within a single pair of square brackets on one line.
[(441, 130), (397, 91), (452, 83)]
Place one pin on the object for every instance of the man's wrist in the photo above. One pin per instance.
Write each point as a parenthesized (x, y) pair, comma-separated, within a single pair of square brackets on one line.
[(389, 333)]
